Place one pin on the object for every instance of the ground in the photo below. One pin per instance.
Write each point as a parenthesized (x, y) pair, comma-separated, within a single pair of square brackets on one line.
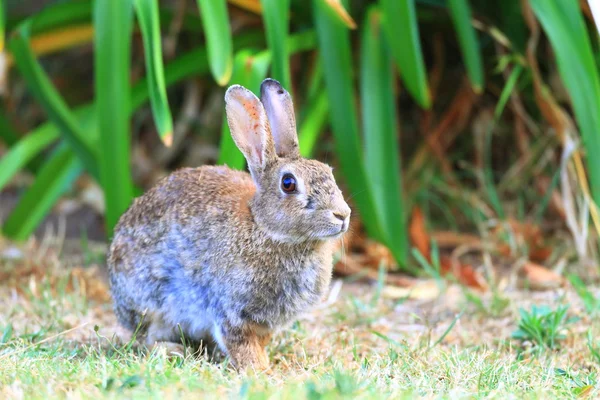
[(59, 339)]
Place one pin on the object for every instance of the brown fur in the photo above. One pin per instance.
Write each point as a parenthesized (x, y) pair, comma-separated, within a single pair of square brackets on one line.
[(215, 252)]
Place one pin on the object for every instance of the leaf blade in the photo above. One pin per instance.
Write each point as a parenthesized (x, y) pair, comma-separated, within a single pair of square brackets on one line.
[(148, 18), (112, 45), (467, 38), (275, 17), (215, 21), (334, 43), (400, 26), (47, 95), (380, 132), (51, 182), (565, 27), (22, 152)]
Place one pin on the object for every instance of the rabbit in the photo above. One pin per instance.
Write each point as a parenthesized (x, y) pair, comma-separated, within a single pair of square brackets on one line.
[(216, 253)]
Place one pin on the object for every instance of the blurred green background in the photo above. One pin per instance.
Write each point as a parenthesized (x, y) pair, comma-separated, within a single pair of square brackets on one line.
[(477, 112)]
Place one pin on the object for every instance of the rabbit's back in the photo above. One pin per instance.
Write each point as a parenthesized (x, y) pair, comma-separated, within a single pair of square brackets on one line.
[(165, 245)]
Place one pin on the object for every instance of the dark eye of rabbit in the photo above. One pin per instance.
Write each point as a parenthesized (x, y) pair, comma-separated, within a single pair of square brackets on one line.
[(288, 183)]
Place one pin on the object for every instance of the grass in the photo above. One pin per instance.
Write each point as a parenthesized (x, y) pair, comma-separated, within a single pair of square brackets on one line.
[(362, 345)]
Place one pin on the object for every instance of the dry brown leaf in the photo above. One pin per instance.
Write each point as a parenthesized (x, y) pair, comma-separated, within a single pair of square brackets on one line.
[(424, 290), (449, 239), (464, 273), (377, 254), (537, 277), (418, 233), (351, 265)]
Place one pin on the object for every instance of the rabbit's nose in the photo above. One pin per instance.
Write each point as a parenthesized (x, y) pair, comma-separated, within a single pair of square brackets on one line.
[(342, 213), (339, 216)]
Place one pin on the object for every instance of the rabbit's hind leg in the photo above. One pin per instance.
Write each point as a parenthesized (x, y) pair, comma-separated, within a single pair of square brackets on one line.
[(160, 335)]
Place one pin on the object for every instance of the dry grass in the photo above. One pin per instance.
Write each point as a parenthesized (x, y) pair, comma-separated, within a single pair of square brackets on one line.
[(369, 342)]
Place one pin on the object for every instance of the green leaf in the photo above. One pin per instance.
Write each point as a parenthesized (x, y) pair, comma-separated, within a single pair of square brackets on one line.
[(275, 17), (215, 21), (56, 176), (60, 15), (113, 20), (23, 152), (317, 113), (7, 132), (50, 99), (467, 37), (563, 23), (380, 130), (334, 45), (248, 71), (2, 25), (147, 15), (400, 26)]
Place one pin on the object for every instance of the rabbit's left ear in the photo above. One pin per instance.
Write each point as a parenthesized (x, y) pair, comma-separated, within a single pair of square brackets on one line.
[(280, 112), (249, 128)]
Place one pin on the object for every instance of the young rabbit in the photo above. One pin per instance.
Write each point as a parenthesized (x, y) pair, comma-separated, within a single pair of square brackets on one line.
[(220, 253)]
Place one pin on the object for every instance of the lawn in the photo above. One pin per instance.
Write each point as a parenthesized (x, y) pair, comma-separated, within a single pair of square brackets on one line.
[(59, 339)]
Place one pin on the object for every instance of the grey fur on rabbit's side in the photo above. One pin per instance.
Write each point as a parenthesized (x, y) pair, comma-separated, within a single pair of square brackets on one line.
[(226, 254)]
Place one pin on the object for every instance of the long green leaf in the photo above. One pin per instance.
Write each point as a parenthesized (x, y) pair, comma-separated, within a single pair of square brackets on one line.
[(467, 37), (217, 31), (50, 99), (112, 47), (2, 25), (60, 15), (313, 123), (7, 133), (334, 44), (54, 178), (563, 23), (380, 130), (275, 17), (22, 152), (147, 15), (400, 25)]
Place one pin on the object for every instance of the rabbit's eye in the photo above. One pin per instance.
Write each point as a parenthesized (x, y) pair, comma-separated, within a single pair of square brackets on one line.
[(288, 183)]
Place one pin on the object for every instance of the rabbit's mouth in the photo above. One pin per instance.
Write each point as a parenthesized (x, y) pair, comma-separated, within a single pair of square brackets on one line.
[(337, 234)]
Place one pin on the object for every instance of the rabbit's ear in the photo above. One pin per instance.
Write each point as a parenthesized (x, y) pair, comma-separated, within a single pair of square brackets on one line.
[(249, 128), (280, 111)]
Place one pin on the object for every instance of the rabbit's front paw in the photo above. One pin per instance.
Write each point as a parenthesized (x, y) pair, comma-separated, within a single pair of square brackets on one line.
[(246, 348)]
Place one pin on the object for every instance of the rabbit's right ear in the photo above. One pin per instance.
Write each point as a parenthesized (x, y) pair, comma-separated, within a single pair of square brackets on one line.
[(249, 128), (280, 111)]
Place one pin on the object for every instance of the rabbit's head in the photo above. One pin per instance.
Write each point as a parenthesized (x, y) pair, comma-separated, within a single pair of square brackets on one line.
[(296, 199)]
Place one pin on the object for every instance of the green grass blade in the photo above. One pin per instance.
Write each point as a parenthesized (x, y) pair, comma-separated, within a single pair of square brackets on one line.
[(61, 14), (50, 99), (317, 113), (275, 17), (23, 152), (249, 72), (7, 132), (54, 178), (2, 25), (563, 23), (400, 25), (380, 130), (217, 31), (147, 15), (467, 37), (334, 44), (113, 20)]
